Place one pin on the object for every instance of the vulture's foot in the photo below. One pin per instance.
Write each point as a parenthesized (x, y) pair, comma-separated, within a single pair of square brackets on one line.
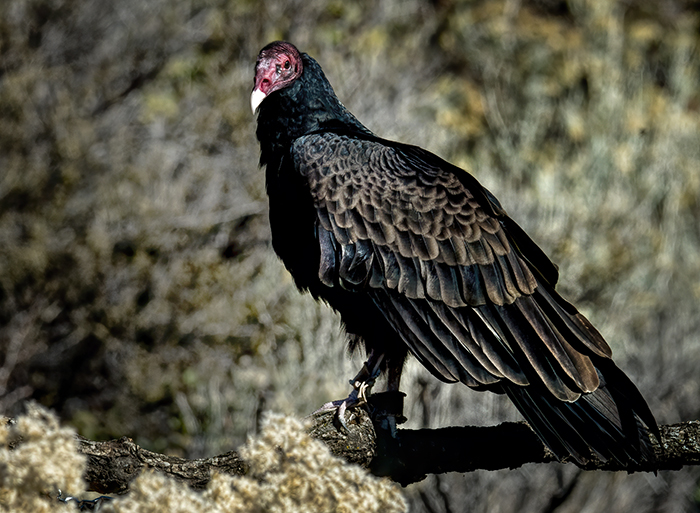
[(362, 385)]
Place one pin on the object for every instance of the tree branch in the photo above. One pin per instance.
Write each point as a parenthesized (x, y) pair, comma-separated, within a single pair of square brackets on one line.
[(407, 458), (113, 464)]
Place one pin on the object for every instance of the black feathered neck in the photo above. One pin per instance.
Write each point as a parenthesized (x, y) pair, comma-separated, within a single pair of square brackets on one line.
[(308, 105)]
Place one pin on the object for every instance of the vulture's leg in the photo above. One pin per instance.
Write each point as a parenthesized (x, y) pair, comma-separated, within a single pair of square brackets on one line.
[(394, 377), (362, 383), (392, 413)]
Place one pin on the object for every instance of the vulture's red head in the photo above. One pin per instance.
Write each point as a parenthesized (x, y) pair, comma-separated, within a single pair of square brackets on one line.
[(278, 65)]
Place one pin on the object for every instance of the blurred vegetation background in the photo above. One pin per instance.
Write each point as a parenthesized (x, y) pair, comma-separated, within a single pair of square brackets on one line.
[(139, 294)]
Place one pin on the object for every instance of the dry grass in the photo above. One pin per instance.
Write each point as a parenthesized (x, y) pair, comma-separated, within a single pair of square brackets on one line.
[(289, 472)]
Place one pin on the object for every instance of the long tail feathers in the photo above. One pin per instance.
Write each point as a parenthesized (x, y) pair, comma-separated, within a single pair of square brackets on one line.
[(614, 422)]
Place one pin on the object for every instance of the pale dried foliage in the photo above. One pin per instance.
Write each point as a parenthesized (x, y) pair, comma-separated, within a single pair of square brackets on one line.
[(289, 472), (292, 472), (45, 460)]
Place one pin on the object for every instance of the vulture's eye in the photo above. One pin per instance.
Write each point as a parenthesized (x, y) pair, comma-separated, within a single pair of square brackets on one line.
[(287, 64)]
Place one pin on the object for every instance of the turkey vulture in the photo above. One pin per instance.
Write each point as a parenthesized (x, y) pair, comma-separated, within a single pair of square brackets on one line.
[(419, 258)]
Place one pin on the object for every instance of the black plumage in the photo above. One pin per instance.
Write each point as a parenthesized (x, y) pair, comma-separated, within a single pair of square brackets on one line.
[(418, 257)]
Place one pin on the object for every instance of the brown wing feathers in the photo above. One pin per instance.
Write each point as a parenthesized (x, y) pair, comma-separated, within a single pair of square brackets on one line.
[(427, 249)]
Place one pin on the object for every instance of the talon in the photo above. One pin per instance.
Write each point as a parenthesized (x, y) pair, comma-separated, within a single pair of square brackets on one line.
[(363, 389), (362, 384), (329, 406), (340, 416)]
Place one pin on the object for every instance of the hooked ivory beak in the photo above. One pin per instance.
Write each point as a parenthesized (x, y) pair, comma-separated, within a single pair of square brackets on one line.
[(256, 97)]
